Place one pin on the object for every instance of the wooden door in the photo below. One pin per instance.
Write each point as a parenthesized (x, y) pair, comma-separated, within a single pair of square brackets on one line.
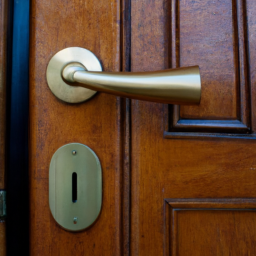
[(176, 180), (193, 167)]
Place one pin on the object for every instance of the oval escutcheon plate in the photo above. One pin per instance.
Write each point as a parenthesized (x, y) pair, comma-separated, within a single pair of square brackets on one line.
[(59, 87), (75, 187)]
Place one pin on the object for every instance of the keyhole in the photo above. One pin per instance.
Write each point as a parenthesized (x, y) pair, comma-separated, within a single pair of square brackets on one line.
[(74, 187)]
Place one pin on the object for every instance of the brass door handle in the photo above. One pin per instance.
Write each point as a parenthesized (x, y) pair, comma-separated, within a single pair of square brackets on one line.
[(73, 72)]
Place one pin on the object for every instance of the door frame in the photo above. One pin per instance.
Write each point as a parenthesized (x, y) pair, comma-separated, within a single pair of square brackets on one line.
[(17, 222)]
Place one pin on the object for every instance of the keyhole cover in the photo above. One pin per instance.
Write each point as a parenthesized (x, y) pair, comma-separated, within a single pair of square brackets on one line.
[(75, 187)]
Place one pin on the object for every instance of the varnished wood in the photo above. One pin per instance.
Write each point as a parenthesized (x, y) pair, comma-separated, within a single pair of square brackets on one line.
[(96, 123), (251, 26), (203, 223), (125, 122), (180, 169), (199, 167), (2, 238), (215, 172), (219, 46), (212, 43), (199, 221), (126, 179), (205, 136)]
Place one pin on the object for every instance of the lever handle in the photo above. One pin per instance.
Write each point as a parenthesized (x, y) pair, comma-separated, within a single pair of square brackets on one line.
[(173, 86), (176, 86)]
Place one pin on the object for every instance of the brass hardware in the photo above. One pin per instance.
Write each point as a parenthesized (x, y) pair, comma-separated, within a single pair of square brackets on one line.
[(75, 187), (173, 86), (78, 57)]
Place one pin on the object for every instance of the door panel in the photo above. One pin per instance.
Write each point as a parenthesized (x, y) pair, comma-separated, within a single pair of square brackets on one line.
[(204, 152), (212, 226), (210, 33), (214, 35), (56, 25)]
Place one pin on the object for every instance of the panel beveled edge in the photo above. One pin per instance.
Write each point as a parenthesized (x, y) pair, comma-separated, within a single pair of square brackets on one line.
[(242, 125), (172, 206), (202, 135), (212, 203)]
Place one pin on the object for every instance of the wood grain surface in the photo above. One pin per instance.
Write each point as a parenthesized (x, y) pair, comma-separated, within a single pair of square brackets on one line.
[(217, 232), (210, 225), (187, 196), (2, 238), (126, 127), (211, 41), (202, 168), (217, 41), (54, 26), (251, 24)]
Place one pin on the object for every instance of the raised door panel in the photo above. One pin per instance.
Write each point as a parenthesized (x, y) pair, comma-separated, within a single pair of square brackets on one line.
[(210, 226), (213, 35)]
